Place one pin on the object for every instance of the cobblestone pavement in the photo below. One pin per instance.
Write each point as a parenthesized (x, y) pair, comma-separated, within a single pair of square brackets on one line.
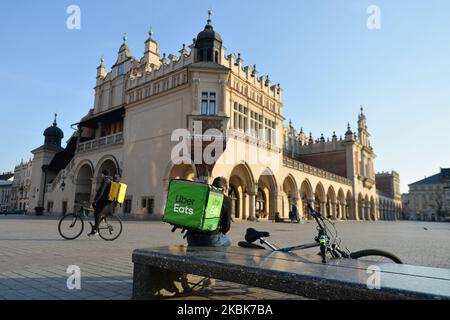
[(34, 258)]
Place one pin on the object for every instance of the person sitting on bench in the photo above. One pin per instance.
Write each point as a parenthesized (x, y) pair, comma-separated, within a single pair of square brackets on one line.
[(216, 238)]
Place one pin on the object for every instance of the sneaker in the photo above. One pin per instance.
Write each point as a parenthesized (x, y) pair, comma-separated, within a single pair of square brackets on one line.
[(93, 233)]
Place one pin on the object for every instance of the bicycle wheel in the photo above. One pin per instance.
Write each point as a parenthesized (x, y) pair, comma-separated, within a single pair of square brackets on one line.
[(110, 228), (377, 256), (71, 226)]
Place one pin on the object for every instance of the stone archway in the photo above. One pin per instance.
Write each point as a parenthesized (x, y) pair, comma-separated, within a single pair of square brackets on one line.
[(331, 202), (242, 181), (341, 205), (234, 195), (373, 215), (290, 194), (108, 165), (83, 186), (306, 194), (267, 191), (360, 207), (350, 207), (182, 172), (366, 208), (320, 199)]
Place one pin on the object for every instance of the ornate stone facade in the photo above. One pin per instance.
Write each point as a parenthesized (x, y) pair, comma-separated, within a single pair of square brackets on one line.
[(139, 104), (21, 187)]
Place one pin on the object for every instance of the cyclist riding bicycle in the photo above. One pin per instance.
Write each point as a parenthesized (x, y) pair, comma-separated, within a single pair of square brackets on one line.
[(102, 206)]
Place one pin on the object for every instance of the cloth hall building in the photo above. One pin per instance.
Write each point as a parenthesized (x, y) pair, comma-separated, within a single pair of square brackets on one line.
[(140, 103)]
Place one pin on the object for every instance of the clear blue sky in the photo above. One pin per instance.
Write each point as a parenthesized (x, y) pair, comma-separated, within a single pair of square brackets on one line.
[(322, 53)]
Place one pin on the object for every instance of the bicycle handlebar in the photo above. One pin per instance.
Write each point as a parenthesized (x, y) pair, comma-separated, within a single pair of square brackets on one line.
[(322, 238)]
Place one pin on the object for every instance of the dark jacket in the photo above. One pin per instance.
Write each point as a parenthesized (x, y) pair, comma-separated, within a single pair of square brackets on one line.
[(102, 195), (225, 215)]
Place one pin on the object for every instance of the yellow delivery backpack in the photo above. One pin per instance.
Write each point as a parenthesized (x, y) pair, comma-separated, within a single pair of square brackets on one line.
[(117, 192)]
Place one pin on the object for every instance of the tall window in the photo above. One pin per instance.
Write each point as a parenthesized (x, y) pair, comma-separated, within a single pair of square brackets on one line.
[(209, 106), (148, 204), (240, 116), (270, 129), (256, 125), (127, 205)]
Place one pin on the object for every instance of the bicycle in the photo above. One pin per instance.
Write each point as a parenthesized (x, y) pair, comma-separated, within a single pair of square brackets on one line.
[(328, 243), (71, 226)]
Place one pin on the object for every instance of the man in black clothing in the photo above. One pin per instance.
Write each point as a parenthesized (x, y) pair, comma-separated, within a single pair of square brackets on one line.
[(217, 238), (102, 206)]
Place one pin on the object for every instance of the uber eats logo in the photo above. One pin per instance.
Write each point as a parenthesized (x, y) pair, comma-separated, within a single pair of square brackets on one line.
[(183, 205), (216, 207)]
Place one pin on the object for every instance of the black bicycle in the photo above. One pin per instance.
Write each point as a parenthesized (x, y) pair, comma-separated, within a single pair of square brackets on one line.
[(327, 239), (71, 226)]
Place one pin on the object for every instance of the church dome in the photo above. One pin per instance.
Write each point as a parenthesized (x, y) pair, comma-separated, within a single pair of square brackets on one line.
[(53, 134), (208, 44), (209, 34)]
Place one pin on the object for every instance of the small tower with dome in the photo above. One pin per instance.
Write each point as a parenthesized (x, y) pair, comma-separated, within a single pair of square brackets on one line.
[(42, 157), (208, 44)]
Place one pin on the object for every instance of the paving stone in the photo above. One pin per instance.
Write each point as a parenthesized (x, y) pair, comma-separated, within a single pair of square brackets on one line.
[(38, 268)]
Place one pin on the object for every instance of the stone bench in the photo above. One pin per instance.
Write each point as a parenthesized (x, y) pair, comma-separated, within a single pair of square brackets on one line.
[(300, 274)]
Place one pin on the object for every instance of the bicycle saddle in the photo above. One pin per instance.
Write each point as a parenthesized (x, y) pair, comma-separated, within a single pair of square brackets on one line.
[(252, 235), (248, 245)]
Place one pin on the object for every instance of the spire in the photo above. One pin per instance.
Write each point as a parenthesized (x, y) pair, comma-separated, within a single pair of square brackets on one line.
[(322, 139), (164, 59), (150, 34), (54, 122), (183, 51), (209, 22), (101, 69), (239, 60), (349, 130), (151, 53), (254, 71), (124, 48), (362, 116), (362, 128)]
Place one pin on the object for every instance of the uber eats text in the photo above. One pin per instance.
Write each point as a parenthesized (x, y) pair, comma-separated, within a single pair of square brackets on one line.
[(183, 205)]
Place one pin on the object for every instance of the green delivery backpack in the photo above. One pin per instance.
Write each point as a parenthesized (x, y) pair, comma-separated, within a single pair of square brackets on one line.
[(193, 206)]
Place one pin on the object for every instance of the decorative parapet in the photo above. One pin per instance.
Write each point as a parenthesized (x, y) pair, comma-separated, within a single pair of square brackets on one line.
[(300, 166), (158, 86), (100, 143), (250, 76)]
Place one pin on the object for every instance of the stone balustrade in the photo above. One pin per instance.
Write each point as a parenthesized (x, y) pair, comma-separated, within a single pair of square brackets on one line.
[(100, 143), (300, 166)]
